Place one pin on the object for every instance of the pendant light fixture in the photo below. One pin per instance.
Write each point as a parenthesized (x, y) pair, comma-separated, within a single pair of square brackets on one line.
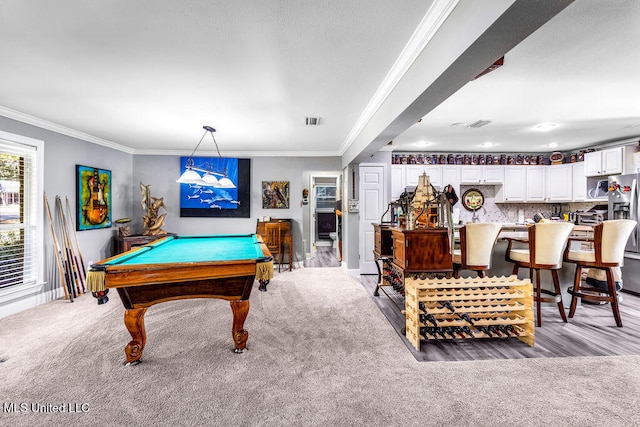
[(209, 177)]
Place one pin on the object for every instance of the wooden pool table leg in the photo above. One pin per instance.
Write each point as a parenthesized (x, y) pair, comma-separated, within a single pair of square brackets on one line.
[(134, 321), (240, 310)]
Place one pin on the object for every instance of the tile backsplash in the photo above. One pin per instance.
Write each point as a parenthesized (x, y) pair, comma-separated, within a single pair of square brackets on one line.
[(508, 212)]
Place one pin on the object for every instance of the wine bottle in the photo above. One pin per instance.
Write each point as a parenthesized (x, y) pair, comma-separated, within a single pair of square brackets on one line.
[(450, 330), (510, 330), (495, 330), (448, 306), (457, 330), (466, 317), (440, 332), (485, 330), (424, 318), (460, 331), (426, 331)]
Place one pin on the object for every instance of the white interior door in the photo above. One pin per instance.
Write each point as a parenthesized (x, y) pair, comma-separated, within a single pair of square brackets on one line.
[(372, 205)]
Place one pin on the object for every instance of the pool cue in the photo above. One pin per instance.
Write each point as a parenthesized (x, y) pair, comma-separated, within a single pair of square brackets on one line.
[(75, 236), (55, 244), (65, 256), (76, 262), (70, 249), (79, 280)]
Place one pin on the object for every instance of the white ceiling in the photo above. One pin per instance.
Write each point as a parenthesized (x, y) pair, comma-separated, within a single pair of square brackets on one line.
[(145, 76), (580, 71)]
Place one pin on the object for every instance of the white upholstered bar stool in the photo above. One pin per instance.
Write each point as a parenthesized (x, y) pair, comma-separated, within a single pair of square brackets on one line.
[(609, 241), (476, 246), (546, 243)]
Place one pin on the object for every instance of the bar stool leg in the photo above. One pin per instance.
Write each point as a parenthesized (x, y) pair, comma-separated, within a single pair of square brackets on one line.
[(614, 297), (556, 285), (538, 297), (576, 288)]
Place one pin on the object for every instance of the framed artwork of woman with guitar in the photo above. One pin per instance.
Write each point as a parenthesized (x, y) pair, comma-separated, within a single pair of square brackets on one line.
[(93, 198)]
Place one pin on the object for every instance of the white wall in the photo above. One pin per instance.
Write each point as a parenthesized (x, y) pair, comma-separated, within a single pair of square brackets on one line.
[(63, 153), (161, 173)]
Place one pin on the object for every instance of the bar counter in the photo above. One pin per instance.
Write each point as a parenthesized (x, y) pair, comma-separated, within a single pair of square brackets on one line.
[(501, 267)]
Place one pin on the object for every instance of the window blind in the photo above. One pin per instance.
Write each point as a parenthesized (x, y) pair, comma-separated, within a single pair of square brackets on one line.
[(19, 236)]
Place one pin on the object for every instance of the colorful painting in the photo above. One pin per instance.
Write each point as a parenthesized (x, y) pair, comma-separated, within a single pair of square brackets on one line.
[(275, 194), (93, 198), (228, 195)]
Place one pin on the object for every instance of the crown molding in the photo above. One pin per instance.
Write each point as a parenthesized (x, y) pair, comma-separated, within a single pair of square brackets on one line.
[(202, 153), (44, 124), (31, 120), (437, 14)]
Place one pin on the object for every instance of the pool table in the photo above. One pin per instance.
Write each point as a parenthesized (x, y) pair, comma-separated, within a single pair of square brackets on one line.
[(178, 267)]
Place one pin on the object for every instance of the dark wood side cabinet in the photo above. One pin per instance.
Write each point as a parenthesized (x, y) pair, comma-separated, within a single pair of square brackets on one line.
[(123, 244), (382, 250), (383, 245), (404, 252), (422, 250)]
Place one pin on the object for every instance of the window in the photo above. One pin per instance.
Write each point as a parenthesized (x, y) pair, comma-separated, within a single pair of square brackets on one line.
[(21, 237), (325, 196)]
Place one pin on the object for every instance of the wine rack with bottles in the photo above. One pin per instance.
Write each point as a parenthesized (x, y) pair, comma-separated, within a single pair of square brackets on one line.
[(468, 308), (393, 276)]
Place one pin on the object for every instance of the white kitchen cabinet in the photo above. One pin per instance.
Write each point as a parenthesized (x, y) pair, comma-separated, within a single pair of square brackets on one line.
[(579, 182), (403, 176), (536, 188), (413, 172), (592, 163), (493, 174), (451, 175), (398, 181), (604, 162), (612, 161), (478, 174), (471, 174), (522, 184), (515, 185), (559, 183)]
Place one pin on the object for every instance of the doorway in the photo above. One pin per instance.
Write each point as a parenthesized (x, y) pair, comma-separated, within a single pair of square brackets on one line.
[(324, 192)]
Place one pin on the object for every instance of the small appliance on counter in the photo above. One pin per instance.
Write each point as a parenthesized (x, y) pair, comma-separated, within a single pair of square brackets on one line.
[(600, 191), (593, 216)]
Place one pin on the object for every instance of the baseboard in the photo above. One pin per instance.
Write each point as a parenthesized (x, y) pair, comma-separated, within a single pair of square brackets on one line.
[(23, 299)]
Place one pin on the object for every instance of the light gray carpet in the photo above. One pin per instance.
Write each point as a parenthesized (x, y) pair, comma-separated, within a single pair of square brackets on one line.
[(320, 353)]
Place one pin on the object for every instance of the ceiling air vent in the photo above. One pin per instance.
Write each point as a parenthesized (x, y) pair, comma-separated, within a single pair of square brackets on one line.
[(312, 121), (479, 124)]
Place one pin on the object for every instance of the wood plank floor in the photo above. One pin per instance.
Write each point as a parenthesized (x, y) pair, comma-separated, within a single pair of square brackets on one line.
[(325, 257), (591, 332)]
